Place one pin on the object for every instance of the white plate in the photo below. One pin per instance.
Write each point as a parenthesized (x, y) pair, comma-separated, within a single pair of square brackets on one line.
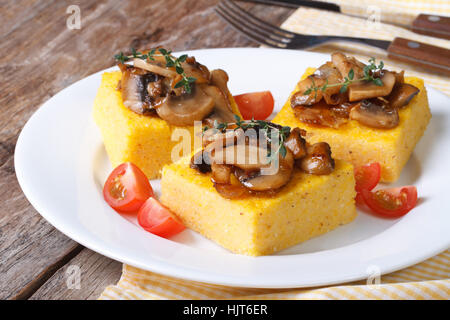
[(61, 165)]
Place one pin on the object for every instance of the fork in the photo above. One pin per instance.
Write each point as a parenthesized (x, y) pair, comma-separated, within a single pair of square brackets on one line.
[(427, 56)]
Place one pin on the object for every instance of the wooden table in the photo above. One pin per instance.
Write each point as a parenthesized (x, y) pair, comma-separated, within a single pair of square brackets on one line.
[(40, 56)]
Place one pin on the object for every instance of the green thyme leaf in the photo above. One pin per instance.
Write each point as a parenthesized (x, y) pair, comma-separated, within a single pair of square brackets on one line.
[(121, 57), (283, 151), (183, 58), (179, 84), (351, 74), (378, 82)]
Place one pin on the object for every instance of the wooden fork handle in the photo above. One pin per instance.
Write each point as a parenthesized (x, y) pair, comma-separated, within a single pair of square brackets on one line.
[(432, 58), (432, 25)]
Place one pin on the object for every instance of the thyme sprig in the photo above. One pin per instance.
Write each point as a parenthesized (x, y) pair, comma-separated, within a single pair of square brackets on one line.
[(171, 62), (368, 70), (265, 127)]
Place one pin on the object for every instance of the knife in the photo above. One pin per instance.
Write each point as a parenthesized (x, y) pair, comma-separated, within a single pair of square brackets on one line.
[(430, 25)]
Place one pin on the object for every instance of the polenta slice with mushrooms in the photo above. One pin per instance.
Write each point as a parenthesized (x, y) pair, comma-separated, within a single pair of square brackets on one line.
[(365, 112), (224, 192), (139, 107)]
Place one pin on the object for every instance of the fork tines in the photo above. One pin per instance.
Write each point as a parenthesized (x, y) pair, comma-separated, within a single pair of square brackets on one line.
[(253, 27)]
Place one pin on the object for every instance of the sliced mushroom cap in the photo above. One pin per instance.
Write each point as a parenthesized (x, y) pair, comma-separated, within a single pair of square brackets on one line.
[(375, 113), (258, 182), (222, 110), (344, 64), (231, 191), (214, 139), (300, 98), (219, 78), (210, 136), (318, 160), (244, 156), (367, 90), (134, 84), (154, 67), (332, 76), (296, 143), (401, 95), (187, 108), (199, 163), (194, 69), (399, 76), (326, 73)]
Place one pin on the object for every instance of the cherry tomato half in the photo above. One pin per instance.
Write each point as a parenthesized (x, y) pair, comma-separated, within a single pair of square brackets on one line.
[(127, 188), (367, 177), (255, 105), (392, 203), (157, 219)]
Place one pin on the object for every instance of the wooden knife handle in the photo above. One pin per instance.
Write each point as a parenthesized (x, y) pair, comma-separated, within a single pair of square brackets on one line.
[(432, 58), (432, 25)]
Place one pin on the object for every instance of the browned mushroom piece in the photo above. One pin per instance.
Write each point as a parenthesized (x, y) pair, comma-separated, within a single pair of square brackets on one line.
[(220, 173), (133, 85), (231, 191), (366, 90), (201, 162), (210, 135), (187, 108), (218, 90), (375, 113), (318, 160), (332, 76), (222, 109), (244, 156), (215, 139), (192, 68), (219, 78), (325, 74), (322, 114), (401, 95), (399, 76), (296, 143), (256, 181), (301, 99), (155, 67), (344, 64)]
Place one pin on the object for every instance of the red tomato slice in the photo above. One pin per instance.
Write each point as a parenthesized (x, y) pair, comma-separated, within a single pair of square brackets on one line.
[(157, 219), (393, 203), (367, 177), (127, 188), (359, 199), (255, 105)]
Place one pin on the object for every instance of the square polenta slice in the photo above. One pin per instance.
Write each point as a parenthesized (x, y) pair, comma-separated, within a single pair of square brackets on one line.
[(308, 206), (362, 145), (131, 137)]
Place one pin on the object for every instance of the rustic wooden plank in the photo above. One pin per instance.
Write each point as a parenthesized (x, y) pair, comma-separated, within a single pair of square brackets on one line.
[(31, 287), (95, 273), (30, 248), (40, 56)]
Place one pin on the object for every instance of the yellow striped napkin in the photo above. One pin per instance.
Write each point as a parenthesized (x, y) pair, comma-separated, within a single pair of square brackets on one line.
[(427, 280)]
